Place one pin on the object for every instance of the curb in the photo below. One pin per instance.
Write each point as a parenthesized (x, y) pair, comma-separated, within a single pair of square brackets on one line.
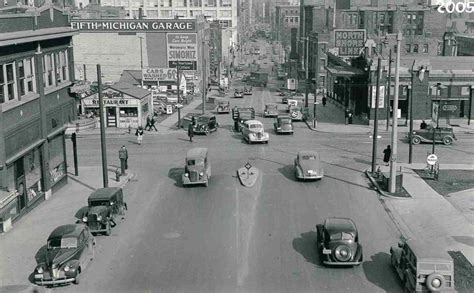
[(379, 190), (130, 176), (311, 127)]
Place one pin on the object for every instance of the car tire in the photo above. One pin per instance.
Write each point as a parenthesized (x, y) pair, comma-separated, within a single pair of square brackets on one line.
[(431, 278), (447, 140), (415, 140), (77, 279), (108, 230)]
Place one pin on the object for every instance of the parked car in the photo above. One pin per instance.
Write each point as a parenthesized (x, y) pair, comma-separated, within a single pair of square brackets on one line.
[(69, 249), (244, 114), (104, 205), (271, 110), (253, 131), (197, 168), (283, 124), (308, 165), (443, 135), (338, 242), (284, 100), (205, 124), (422, 268), (223, 107), (238, 93), (248, 91)]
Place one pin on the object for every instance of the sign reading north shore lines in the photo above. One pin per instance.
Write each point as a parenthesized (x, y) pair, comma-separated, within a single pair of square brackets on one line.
[(159, 74), (183, 48), (134, 25), (349, 42)]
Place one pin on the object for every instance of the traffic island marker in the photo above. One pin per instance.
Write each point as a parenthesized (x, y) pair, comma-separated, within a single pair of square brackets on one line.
[(248, 175)]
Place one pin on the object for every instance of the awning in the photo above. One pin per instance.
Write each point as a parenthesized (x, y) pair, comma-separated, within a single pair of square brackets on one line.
[(19, 37), (344, 71)]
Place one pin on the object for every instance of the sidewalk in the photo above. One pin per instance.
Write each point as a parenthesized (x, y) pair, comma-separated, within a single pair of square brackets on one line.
[(32, 230), (429, 216)]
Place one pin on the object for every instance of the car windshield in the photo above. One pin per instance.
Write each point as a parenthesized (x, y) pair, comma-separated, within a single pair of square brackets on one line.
[(255, 126), (62, 243), (285, 120), (342, 236), (223, 103), (203, 119), (97, 203), (196, 162), (309, 157), (245, 115), (271, 107)]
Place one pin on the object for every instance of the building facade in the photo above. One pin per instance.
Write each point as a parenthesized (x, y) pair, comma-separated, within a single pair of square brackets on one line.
[(36, 72)]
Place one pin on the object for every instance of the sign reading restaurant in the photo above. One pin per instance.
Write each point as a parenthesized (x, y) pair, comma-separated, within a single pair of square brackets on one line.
[(349, 42), (134, 25)]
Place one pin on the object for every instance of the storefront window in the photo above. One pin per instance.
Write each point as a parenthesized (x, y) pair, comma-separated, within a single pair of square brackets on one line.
[(57, 168), (32, 167), (128, 112)]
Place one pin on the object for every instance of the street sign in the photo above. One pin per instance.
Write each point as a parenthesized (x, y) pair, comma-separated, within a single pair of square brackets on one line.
[(179, 106), (169, 109), (431, 159)]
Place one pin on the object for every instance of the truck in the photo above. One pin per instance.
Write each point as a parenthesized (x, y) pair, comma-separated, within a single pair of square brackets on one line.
[(258, 78)]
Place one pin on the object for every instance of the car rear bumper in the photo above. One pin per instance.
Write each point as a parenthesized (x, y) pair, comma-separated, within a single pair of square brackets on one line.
[(306, 177), (346, 263), (284, 131), (187, 181)]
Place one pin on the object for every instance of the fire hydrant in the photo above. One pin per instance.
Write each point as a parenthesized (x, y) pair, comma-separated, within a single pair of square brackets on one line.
[(117, 174)]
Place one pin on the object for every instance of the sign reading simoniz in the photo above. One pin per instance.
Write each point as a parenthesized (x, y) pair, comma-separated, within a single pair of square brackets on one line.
[(134, 25)]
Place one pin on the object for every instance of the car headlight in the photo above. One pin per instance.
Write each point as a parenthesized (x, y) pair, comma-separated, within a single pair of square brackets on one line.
[(54, 265), (186, 174), (201, 174), (40, 270), (84, 219), (67, 268), (436, 283), (99, 218)]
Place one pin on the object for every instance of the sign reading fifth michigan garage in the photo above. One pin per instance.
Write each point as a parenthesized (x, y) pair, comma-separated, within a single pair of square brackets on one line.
[(349, 42), (134, 25)]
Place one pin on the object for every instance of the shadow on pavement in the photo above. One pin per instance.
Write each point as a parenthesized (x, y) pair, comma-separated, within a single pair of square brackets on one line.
[(306, 246), (72, 177), (376, 270), (289, 172), (175, 174), (467, 240), (348, 182)]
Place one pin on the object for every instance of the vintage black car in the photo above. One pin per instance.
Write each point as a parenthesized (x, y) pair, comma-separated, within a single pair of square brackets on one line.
[(271, 110), (69, 249), (248, 91), (238, 93), (223, 107), (443, 135), (338, 242), (104, 206), (198, 168), (205, 124), (283, 124)]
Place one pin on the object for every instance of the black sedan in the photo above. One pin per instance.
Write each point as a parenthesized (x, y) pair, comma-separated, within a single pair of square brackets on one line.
[(338, 242)]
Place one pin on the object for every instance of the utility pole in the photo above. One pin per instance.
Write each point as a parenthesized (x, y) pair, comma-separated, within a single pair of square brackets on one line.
[(178, 80), (410, 105), (376, 117), (141, 58), (85, 76), (388, 87), (105, 177), (204, 89), (470, 106), (393, 157), (306, 39)]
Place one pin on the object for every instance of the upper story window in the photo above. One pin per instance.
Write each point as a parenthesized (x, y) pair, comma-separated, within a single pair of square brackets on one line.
[(26, 76), (55, 68), (166, 13), (225, 13), (166, 3), (48, 69), (62, 71), (226, 3), (210, 3), (179, 3), (195, 3), (8, 90)]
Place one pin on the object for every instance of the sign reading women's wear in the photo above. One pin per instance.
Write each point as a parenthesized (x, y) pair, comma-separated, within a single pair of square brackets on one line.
[(182, 50)]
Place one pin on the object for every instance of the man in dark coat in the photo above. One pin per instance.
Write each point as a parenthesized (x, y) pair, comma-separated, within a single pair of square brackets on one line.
[(190, 132), (386, 155), (324, 101)]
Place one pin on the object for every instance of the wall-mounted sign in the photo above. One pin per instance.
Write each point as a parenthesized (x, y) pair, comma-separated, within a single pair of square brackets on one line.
[(381, 96), (134, 25), (349, 42), (159, 74), (182, 48)]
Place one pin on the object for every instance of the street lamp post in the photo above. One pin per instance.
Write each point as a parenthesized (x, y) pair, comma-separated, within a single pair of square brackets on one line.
[(306, 67), (204, 89), (393, 157), (105, 177), (388, 87), (178, 81), (438, 87), (141, 57)]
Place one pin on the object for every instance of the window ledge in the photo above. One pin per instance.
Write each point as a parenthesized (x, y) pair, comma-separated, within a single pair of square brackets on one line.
[(15, 103), (58, 87)]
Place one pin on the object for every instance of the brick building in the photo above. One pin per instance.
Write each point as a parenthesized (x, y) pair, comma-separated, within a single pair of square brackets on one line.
[(36, 72)]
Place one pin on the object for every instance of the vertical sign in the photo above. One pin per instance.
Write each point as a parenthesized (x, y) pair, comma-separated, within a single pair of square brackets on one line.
[(381, 96), (349, 42), (182, 47)]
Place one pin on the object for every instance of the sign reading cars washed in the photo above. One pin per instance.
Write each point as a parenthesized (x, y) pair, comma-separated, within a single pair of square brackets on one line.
[(182, 50), (134, 25), (349, 42), (159, 74)]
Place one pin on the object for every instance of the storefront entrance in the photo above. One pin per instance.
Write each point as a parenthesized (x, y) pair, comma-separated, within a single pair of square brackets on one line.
[(20, 184), (111, 117)]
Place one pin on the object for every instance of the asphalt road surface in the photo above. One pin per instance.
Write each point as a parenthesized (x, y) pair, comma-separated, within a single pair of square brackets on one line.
[(227, 238)]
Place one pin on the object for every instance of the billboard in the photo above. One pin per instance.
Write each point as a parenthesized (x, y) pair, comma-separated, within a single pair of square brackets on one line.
[(381, 96), (133, 25), (349, 42), (159, 74), (182, 47)]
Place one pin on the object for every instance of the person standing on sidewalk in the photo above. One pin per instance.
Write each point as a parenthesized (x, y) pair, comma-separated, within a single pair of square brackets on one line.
[(324, 101), (123, 156), (139, 134), (190, 131), (346, 115), (148, 122), (386, 155)]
